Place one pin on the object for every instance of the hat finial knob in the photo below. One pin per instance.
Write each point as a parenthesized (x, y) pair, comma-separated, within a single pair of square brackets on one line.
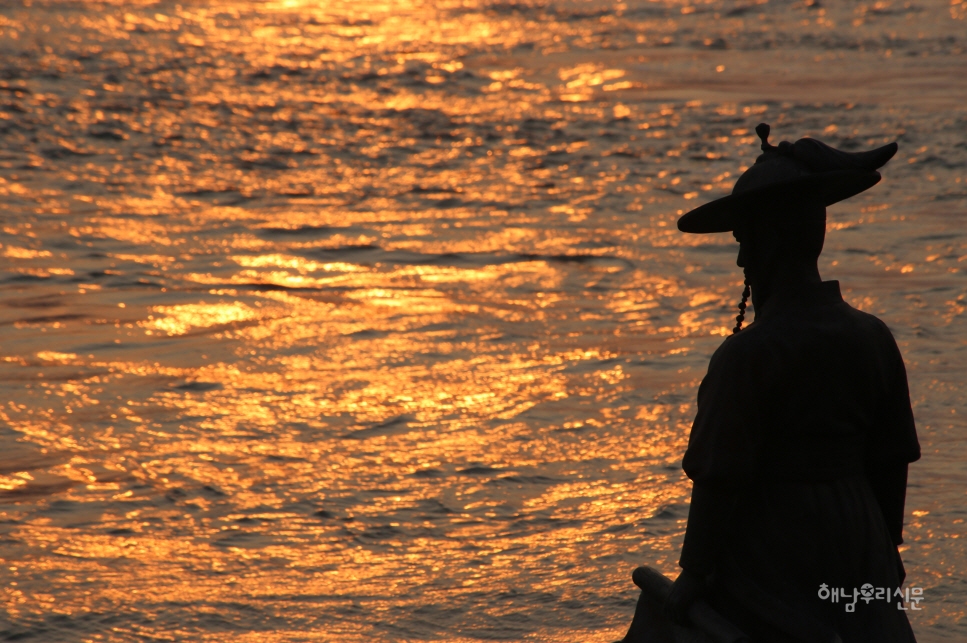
[(763, 129)]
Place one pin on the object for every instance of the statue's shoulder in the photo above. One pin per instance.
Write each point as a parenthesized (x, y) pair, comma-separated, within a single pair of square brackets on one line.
[(868, 323), (743, 345)]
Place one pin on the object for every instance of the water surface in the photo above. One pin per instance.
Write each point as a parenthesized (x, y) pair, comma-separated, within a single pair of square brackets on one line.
[(353, 321)]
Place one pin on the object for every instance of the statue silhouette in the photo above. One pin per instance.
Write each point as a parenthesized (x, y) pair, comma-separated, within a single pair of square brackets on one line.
[(803, 434)]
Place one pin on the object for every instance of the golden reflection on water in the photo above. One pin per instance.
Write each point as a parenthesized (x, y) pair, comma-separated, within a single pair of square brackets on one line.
[(329, 321)]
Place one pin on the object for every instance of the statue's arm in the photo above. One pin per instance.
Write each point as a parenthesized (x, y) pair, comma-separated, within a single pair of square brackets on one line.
[(894, 443), (889, 482), (709, 519)]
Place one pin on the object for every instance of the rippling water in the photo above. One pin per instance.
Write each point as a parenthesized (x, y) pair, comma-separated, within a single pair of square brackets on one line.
[(354, 321)]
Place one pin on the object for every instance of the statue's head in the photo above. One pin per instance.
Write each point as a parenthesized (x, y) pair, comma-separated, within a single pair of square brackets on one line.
[(777, 209)]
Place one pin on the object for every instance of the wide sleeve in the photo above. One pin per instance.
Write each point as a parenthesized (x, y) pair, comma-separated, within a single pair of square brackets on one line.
[(894, 438), (709, 521), (726, 437), (889, 484), (894, 442)]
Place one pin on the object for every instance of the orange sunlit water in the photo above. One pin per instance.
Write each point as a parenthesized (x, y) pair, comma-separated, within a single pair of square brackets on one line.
[(350, 321)]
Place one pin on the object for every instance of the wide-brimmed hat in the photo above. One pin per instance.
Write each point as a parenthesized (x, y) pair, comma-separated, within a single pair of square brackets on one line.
[(787, 172)]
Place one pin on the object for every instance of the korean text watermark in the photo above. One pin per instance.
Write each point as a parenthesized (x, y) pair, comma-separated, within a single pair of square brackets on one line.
[(910, 596)]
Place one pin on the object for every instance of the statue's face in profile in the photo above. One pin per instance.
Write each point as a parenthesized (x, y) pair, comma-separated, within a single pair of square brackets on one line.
[(746, 259), (780, 235), (743, 249)]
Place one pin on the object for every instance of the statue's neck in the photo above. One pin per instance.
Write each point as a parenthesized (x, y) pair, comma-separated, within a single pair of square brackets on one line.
[(788, 279)]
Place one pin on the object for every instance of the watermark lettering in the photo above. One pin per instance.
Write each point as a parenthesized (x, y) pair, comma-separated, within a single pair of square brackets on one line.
[(910, 596)]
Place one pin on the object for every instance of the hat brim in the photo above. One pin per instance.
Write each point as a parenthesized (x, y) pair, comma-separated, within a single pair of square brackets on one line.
[(723, 215)]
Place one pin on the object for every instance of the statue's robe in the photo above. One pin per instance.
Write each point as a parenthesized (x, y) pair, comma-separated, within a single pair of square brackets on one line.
[(799, 455)]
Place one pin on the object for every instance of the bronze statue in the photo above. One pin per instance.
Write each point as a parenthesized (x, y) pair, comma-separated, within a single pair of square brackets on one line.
[(804, 431)]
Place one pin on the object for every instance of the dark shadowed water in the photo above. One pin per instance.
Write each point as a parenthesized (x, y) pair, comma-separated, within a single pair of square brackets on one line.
[(369, 321)]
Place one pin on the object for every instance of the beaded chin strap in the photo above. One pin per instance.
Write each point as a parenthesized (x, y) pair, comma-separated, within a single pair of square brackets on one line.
[(741, 316), (762, 130)]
